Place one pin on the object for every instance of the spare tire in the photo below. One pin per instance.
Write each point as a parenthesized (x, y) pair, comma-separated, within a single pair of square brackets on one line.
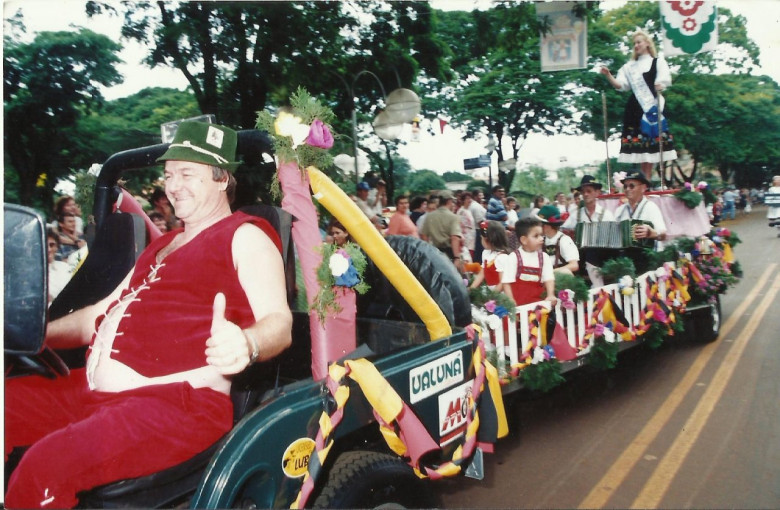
[(433, 270)]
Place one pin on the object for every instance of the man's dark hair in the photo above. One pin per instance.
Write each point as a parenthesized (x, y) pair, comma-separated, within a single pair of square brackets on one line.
[(157, 194), (399, 198), (64, 215), (417, 201), (495, 188), (523, 225)]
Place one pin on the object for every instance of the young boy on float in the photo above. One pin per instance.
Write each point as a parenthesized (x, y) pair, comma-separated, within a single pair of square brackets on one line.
[(528, 275), (564, 253)]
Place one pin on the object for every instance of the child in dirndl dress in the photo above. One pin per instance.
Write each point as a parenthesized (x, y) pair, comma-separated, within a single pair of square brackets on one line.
[(494, 256)]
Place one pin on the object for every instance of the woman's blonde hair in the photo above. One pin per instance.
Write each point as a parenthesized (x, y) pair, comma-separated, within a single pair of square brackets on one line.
[(650, 44)]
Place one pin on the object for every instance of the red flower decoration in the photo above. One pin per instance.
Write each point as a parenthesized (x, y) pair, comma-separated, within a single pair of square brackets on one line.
[(689, 24), (686, 8)]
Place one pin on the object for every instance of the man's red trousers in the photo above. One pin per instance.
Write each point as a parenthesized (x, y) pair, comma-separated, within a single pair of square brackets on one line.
[(82, 439)]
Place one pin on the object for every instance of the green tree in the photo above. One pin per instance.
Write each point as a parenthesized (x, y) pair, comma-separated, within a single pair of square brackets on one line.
[(732, 122), (423, 182), (500, 89), (49, 84), (239, 57), (689, 97)]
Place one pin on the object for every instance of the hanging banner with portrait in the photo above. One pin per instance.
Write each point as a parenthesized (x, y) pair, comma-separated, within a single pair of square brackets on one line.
[(563, 41)]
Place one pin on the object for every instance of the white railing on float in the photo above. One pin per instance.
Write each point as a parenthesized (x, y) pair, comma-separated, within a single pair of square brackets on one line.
[(574, 320)]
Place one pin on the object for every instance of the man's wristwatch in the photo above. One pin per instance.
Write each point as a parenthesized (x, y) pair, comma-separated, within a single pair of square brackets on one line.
[(254, 349)]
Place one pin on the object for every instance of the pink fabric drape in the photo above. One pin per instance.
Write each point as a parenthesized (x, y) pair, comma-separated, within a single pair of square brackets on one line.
[(680, 221), (335, 338)]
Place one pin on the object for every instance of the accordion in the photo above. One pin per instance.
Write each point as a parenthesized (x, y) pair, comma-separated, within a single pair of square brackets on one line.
[(611, 234)]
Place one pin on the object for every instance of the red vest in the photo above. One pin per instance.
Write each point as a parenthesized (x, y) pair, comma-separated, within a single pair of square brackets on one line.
[(165, 328), (524, 291)]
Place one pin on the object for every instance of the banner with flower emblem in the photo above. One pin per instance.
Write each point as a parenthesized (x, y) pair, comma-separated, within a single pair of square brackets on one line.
[(689, 27)]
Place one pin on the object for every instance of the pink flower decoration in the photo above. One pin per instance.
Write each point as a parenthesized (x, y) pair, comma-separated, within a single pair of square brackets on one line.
[(598, 330), (688, 186), (490, 306), (565, 296), (319, 135), (343, 253), (659, 315)]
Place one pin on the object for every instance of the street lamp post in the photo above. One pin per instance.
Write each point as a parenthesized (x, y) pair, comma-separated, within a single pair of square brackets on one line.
[(490, 147), (401, 106)]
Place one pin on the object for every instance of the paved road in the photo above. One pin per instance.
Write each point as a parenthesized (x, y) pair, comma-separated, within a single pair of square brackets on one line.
[(687, 426)]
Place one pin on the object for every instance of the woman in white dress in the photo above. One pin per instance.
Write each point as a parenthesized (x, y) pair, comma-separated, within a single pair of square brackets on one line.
[(644, 75)]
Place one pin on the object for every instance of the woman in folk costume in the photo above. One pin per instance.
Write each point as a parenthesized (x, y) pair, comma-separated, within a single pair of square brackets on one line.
[(644, 75)]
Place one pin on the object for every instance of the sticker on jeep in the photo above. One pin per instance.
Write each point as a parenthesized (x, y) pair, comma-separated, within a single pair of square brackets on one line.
[(295, 460), (453, 410), (433, 377)]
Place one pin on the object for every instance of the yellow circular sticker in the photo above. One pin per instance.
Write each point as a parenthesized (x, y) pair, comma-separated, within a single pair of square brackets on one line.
[(295, 460)]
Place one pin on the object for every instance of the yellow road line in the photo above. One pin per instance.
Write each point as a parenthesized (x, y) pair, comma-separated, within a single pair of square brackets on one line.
[(617, 473), (664, 473)]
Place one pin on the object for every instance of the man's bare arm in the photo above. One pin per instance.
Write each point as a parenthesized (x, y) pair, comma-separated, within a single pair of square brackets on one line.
[(261, 273), (76, 328)]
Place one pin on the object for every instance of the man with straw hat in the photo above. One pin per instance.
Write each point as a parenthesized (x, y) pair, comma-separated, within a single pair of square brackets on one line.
[(590, 211), (201, 304), (639, 207)]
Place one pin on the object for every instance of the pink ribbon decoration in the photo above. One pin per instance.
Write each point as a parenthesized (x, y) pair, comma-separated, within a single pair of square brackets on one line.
[(335, 338)]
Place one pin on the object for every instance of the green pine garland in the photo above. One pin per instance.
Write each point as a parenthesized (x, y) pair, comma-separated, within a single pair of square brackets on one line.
[(306, 108), (655, 335), (542, 376), (616, 268), (690, 198), (325, 300), (736, 269), (574, 283), (603, 354), (482, 294)]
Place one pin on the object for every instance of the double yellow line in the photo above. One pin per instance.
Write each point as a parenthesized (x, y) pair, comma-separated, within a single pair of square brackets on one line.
[(662, 476)]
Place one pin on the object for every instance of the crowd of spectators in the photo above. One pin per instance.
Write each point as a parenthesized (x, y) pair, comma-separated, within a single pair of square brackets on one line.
[(463, 225)]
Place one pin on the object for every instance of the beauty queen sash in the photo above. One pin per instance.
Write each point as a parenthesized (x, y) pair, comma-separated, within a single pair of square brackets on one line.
[(649, 124)]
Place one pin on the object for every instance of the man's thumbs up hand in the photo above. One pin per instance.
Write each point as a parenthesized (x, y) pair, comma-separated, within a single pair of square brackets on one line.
[(218, 320), (226, 349)]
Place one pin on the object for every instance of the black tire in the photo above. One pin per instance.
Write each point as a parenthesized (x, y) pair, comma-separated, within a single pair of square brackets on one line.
[(363, 479), (432, 269), (707, 322)]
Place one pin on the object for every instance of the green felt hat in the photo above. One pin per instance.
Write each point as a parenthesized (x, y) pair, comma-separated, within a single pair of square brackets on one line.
[(201, 142), (551, 215)]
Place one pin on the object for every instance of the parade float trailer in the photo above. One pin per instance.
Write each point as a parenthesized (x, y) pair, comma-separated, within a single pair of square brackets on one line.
[(417, 392)]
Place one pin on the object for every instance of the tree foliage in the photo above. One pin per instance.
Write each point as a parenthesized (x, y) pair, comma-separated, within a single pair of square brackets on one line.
[(727, 120), (49, 85), (423, 181), (499, 88), (732, 123)]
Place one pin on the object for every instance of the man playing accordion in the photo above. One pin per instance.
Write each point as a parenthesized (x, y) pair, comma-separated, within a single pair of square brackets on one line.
[(588, 212)]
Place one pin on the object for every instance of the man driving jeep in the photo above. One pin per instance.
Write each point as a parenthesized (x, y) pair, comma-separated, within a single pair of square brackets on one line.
[(201, 304)]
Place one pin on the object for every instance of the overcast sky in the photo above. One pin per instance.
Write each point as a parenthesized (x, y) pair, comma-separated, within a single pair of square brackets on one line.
[(440, 152)]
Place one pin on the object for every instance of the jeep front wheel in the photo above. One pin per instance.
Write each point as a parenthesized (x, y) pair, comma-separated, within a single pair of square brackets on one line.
[(364, 479)]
